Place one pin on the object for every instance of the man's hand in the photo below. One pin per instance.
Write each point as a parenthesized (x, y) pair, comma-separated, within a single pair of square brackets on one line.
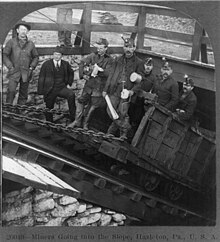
[(104, 94), (96, 69), (180, 111), (131, 92), (11, 69), (85, 77), (30, 73)]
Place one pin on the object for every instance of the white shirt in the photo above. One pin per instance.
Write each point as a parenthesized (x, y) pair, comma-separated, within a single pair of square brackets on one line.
[(55, 63)]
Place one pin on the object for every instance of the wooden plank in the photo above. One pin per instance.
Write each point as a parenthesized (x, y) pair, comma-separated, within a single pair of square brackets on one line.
[(157, 10), (161, 137), (134, 34), (66, 51), (113, 28), (102, 6), (87, 19), (141, 28), (196, 47), (189, 155), (171, 35), (204, 56), (55, 26), (141, 127), (79, 34), (10, 149), (124, 7)]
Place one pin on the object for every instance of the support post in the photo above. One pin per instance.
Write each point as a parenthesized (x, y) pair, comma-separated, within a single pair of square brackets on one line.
[(87, 29), (196, 45), (141, 28)]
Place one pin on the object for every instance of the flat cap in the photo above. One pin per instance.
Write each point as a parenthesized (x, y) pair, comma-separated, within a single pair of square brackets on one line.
[(102, 41), (24, 24)]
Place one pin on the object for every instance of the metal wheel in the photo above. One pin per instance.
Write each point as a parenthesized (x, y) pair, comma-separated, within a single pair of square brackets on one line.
[(150, 182), (174, 191)]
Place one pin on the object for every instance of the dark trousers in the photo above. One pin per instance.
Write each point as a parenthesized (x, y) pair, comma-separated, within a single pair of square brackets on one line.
[(23, 91), (136, 112), (64, 93)]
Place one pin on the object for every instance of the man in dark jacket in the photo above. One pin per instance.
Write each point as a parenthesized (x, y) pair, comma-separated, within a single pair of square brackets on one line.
[(95, 69), (55, 75), (187, 101), (136, 110), (20, 57), (166, 87), (119, 83)]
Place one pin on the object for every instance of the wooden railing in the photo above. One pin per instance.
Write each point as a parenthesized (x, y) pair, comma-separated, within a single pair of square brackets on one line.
[(198, 41)]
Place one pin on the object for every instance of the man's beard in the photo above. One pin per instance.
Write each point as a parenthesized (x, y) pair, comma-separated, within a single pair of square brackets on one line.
[(128, 54), (165, 76)]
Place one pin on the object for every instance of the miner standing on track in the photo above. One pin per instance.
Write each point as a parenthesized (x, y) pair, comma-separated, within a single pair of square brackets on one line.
[(55, 75), (20, 57), (95, 69), (120, 88)]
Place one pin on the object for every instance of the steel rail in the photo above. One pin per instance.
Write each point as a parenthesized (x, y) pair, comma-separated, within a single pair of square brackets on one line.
[(99, 175)]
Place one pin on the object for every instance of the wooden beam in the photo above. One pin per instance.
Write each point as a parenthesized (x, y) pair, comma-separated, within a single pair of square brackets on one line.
[(55, 27), (124, 7), (79, 34), (87, 19), (113, 28), (141, 28), (76, 50), (102, 7), (204, 57), (196, 47), (134, 34)]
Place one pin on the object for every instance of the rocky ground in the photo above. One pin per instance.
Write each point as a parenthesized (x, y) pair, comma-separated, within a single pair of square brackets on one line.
[(33, 208)]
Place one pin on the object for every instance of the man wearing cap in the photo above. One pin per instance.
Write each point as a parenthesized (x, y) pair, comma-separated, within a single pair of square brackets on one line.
[(118, 83), (136, 110), (20, 57), (94, 69), (187, 101), (166, 87), (55, 75)]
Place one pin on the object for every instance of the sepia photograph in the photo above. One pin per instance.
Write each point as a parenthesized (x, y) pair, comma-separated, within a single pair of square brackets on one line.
[(109, 121)]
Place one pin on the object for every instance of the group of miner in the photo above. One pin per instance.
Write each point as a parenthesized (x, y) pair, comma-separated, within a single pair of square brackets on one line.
[(126, 81)]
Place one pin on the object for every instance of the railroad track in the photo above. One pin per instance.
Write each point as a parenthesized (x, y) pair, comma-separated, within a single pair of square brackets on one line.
[(72, 155)]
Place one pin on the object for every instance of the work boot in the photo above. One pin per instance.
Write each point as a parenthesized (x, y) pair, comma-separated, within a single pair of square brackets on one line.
[(112, 128), (123, 134), (74, 124), (87, 117)]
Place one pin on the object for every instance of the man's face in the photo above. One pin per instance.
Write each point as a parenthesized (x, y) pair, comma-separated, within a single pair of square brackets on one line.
[(187, 87), (166, 71), (57, 56), (148, 68), (101, 49), (129, 50), (22, 31)]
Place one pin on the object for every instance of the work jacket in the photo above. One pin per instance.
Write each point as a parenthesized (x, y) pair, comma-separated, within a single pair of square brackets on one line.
[(120, 72), (188, 104), (46, 77), (20, 58), (167, 91), (104, 62)]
